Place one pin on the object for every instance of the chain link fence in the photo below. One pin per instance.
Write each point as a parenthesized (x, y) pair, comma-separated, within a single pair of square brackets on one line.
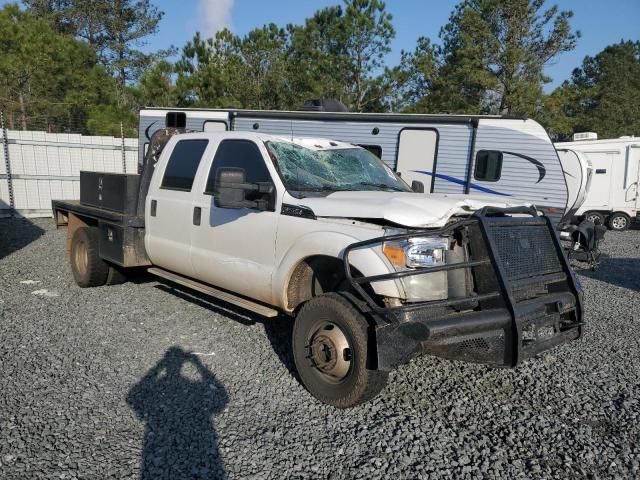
[(37, 166)]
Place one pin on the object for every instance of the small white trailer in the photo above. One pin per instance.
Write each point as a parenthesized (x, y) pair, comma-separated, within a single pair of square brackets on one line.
[(496, 157), (613, 197)]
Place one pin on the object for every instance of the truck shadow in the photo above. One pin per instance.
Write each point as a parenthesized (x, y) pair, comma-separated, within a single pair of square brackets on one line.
[(180, 440), (623, 272), (278, 330), (17, 233)]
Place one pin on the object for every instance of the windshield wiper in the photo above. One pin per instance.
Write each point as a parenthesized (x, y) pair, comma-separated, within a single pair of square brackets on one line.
[(324, 188), (381, 186)]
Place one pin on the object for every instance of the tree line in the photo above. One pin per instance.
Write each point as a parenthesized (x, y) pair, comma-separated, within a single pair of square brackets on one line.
[(79, 64)]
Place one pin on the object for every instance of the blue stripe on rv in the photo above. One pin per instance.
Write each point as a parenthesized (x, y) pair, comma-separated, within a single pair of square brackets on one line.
[(458, 181)]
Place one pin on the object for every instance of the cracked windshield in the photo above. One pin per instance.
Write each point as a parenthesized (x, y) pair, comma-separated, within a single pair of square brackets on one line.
[(310, 170)]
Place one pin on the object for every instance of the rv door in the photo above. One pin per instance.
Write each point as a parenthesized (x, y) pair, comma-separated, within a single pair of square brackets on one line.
[(600, 192), (634, 162), (417, 149)]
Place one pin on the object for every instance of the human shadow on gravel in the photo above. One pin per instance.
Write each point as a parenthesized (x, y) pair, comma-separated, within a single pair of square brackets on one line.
[(17, 233), (278, 330), (180, 440), (623, 272)]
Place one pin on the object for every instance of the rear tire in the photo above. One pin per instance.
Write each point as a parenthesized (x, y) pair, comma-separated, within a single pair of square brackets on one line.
[(596, 217), (89, 270), (330, 349), (619, 221)]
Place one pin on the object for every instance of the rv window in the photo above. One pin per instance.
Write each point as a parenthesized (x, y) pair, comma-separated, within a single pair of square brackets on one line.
[(375, 149), (176, 119), (488, 165), (183, 164), (239, 154)]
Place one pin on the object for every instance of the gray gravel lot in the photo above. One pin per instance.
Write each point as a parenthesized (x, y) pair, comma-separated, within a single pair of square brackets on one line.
[(103, 383)]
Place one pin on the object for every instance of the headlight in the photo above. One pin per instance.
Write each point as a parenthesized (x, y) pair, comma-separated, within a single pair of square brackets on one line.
[(416, 252), (420, 253)]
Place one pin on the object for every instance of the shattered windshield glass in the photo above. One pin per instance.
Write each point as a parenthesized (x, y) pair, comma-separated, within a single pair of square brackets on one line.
[(305, 169)]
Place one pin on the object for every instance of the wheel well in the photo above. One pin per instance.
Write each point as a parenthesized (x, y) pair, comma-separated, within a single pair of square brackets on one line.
[(314, 276), (620, 213)]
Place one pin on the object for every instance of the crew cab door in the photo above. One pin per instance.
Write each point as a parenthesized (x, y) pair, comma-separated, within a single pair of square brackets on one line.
[(169, 206), (234, 248)]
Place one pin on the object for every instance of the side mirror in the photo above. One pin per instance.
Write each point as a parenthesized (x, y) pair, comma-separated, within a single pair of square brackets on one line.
[(417, 186), (232, 191)]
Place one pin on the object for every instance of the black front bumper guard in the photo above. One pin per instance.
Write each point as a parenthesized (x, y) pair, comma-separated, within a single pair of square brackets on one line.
[(501, 325)]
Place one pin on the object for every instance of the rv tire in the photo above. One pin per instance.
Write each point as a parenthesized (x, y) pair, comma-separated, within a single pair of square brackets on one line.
[(596, 217), (619, 221)]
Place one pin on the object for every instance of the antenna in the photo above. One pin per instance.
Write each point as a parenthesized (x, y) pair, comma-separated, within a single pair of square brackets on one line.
[(291, 125)]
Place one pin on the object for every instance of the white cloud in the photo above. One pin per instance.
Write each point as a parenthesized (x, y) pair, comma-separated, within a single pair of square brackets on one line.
[(214, 16)]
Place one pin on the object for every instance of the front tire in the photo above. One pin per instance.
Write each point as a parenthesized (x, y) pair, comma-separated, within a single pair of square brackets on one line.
[(330, 350), (89, 270), (619, 221)]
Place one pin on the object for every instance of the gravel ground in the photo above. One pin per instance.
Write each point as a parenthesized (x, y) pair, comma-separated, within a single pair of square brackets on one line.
[(145, 381)]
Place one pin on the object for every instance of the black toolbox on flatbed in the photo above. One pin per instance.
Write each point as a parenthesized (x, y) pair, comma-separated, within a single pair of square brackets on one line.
[(117, 192)]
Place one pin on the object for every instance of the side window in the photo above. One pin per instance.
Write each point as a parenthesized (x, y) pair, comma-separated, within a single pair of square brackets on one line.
[(238, 154), (375, 149), (488, 165), (183, 164)]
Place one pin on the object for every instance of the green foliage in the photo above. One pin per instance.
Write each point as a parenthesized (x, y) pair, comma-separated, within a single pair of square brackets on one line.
[(47, 80), (339, 53), (114, 29), (155, 87), (602, 96), (110, 119), (493, 55), (79, 63)]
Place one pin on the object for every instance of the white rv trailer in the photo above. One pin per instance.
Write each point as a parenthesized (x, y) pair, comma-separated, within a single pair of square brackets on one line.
[(492, 156), (613, 197), (578, 172)]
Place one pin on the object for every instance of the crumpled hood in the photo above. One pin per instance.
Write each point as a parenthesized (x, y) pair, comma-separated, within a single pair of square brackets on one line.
[(403, 208)]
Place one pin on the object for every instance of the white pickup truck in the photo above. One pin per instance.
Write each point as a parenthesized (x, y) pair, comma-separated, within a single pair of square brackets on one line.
[(324, 231)]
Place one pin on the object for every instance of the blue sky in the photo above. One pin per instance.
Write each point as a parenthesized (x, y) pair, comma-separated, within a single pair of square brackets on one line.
[(601, 22)]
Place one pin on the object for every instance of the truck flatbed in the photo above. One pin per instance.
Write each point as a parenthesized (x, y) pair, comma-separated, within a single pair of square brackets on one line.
[(94, 212)]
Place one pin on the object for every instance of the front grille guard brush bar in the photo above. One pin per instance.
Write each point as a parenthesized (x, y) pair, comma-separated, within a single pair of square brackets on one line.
[(477, 220)]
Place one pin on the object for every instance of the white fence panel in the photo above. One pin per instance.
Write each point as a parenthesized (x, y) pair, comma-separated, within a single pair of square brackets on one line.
[(46, 166)]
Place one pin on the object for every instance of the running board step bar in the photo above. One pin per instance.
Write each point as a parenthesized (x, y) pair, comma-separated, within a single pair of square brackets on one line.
[(214, 292)]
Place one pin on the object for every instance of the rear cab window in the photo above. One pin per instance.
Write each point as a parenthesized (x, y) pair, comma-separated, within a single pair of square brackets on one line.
[(183, 164)]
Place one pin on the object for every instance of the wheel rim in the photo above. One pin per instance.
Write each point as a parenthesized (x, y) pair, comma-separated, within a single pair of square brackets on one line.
[(329, 352), (619, 223), (593, 218), (81, 257)]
